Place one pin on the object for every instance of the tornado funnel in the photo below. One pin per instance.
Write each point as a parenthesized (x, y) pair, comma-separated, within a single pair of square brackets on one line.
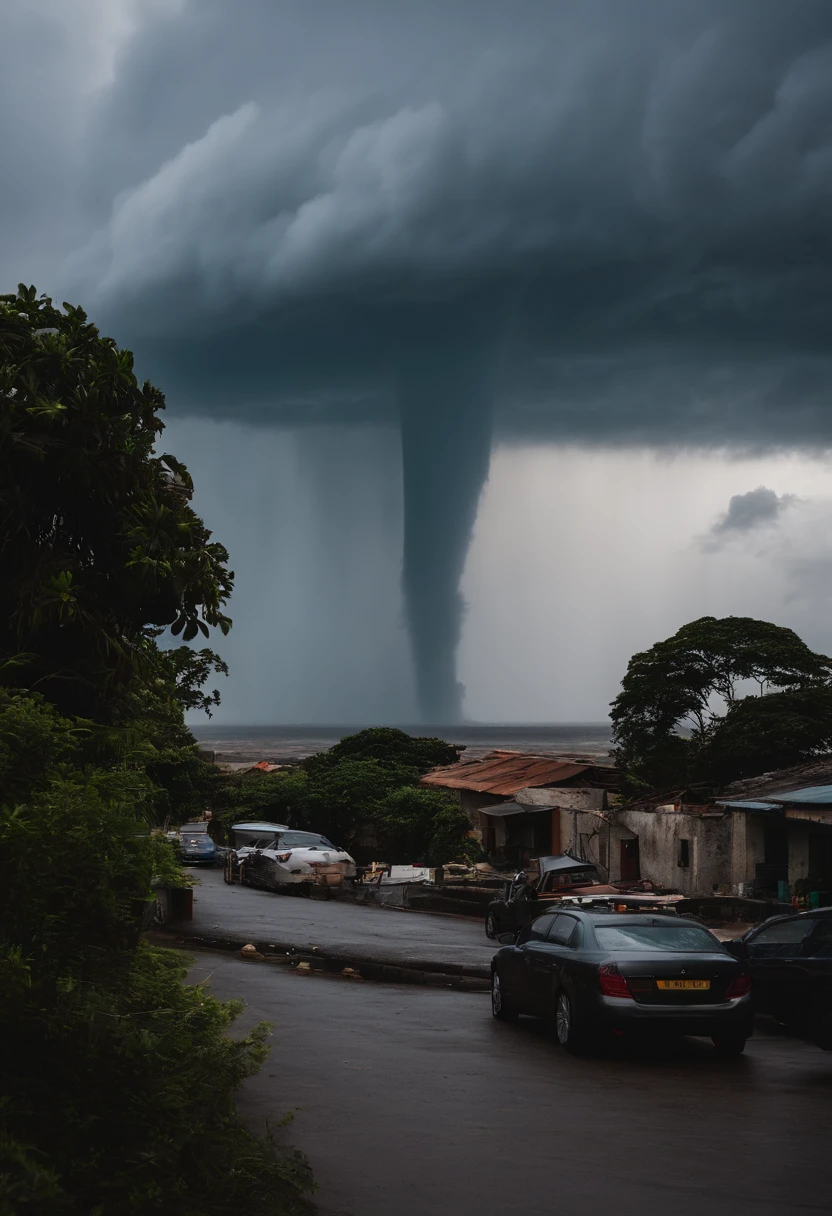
[(446, 392)]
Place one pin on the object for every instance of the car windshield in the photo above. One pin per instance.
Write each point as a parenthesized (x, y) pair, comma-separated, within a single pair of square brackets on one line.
[(302, 840), (682, 939)]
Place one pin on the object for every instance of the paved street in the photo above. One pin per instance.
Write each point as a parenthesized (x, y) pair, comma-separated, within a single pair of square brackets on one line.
[(413, 1100), (376, 933)]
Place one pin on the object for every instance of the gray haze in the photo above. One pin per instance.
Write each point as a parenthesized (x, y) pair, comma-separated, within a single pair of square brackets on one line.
[(598, 221)]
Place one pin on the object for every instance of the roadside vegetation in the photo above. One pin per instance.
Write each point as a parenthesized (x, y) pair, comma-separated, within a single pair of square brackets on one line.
[(117, 1079), (363, 794), (723, 699)]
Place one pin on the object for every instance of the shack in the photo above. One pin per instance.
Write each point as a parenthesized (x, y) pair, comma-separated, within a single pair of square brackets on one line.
[(516, 801)]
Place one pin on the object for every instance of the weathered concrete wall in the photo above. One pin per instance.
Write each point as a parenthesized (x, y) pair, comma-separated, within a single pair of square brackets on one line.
[(593, 837), (755, 835), (660, 833), (798, 850), (471, 801)]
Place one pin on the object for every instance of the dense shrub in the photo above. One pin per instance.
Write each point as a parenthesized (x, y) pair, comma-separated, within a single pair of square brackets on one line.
[(117, 1079)]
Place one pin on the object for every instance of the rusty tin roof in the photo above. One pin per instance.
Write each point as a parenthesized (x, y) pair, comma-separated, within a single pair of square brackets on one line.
[(504, 772)]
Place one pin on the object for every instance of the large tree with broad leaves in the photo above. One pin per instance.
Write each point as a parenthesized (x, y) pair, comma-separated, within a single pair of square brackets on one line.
[(677, 696), (100, 548)]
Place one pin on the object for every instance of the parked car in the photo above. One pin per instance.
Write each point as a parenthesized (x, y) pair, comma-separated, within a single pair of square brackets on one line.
[(289, 857), (592, 973), (195, 845), (253, 834), (522, 900), (790, 958)]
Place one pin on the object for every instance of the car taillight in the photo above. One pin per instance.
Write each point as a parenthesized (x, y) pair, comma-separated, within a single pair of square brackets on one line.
[(740, 986), (612, 981)]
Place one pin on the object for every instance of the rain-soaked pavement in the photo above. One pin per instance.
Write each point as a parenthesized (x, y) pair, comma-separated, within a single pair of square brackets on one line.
[(375, 933), (412, 1100)]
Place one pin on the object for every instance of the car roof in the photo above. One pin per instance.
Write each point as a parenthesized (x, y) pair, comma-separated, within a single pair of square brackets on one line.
[(606, 915), (804, 912), (260, 827), (562, 862)]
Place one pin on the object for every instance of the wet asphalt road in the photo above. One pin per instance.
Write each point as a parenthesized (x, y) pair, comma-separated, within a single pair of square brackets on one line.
[(375, 933), (413, 1100)]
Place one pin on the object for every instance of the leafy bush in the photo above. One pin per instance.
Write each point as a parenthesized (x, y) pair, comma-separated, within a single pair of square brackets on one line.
[(137, 1074), (422, 825), (135, 1070), (391, 748), (100, 546)]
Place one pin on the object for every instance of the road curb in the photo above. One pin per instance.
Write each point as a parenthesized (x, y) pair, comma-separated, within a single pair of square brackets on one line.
[(387, 971)]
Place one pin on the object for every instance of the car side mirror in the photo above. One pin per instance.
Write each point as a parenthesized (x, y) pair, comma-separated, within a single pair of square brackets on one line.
[(737, 947), (506, 939)]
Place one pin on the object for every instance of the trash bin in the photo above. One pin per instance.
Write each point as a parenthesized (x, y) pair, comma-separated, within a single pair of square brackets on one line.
[(782, 891)]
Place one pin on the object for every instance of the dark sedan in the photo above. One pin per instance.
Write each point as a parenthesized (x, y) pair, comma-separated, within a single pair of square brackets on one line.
[(790, 958), (593, 973)]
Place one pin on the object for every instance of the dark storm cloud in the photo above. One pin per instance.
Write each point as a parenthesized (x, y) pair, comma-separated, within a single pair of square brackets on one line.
[(760, 508), (648, 184), (300, 210)]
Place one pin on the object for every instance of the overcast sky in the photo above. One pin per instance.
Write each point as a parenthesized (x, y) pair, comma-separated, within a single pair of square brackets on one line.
[(590, 236)]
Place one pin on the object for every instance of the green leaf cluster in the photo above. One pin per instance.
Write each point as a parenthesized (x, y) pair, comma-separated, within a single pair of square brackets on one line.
[(117, 1080), (98, 541), (363, 794), (680, 714), (136, 1070)]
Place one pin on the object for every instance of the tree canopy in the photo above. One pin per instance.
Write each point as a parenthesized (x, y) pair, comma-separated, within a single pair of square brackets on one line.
[(117, 1079), (98, 542), (363, 794), (389, 746), (674, 696)]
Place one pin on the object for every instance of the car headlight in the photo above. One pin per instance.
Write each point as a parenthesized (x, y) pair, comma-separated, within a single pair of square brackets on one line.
[(283, 856)]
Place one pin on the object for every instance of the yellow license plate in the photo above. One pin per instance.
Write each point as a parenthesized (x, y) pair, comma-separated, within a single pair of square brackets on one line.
[(700, 985)]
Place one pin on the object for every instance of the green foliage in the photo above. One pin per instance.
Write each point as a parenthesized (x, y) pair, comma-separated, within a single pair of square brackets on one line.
[(98, 542), (136, 1070), (254, 796), (117, 1080), (348, 791), (673, 685), (391, 748), (422, 825), (137, 1074), (759, 734), (348, 794)]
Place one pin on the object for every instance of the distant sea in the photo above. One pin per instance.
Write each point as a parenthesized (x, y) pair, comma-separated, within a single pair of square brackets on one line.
[(283, 744)]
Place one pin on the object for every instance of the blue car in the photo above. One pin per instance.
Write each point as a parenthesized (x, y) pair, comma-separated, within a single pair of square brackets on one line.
[(197, 847)]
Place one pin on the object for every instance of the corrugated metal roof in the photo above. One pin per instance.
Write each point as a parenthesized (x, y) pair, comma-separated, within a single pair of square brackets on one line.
[(738, 805), (815, 795), (504, 773), (810, 795)]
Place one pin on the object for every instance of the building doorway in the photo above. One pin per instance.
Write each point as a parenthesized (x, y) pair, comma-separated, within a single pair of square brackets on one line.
[(630, 871)]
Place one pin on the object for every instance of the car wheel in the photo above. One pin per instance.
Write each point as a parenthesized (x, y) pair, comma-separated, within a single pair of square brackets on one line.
[(567, 1029), (501, 1008), (491, 926), (730, 1044)]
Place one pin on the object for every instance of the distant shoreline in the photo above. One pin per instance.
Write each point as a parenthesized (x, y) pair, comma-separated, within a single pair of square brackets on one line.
[(286, 744)]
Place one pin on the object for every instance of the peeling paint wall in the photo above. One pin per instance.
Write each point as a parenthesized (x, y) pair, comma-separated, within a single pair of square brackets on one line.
[(710, 851)]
